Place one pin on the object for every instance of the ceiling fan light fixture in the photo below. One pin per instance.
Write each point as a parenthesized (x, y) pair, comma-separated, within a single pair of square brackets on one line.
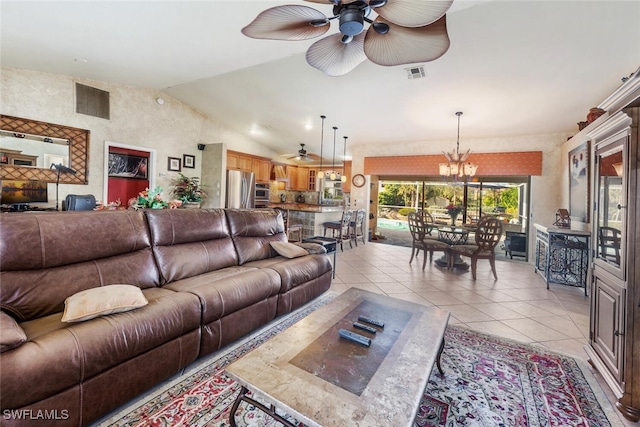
[(351, 21)]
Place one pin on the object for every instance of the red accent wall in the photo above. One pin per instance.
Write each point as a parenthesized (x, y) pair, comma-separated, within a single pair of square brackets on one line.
[(125, 188), (489, 164)]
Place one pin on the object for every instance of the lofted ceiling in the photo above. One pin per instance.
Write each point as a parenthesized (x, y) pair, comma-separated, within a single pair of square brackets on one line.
[(514, 67)]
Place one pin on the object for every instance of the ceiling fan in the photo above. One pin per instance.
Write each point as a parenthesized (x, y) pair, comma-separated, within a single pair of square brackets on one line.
[(304, 156), (404, 32)]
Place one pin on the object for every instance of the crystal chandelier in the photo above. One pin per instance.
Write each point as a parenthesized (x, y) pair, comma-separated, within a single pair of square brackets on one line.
[(456, 166)]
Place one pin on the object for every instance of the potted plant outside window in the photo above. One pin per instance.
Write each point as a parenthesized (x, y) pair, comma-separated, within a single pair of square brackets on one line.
[(188, 190)]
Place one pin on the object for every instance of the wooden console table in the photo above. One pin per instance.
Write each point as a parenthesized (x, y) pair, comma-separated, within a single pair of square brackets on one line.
[(562, 256)]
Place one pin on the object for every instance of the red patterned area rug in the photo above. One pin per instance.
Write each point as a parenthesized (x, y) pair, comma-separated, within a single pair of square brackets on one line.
[(488, 381)]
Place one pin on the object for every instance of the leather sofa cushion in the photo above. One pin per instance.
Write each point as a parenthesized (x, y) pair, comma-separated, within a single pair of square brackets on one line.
[(59, 355), (45, 257), (42, 240), (189, 242), (253, 230), (296, 271), (35, 293), (12, 334), (226, 291)]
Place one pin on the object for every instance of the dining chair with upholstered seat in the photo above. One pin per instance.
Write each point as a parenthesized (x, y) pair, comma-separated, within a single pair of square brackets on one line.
[(487, 237), (421, 240)]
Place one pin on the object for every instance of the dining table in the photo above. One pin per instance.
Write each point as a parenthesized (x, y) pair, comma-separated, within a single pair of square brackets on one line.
[(453, 236)]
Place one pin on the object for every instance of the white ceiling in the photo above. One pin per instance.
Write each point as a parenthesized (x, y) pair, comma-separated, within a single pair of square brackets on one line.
[(514, 67)]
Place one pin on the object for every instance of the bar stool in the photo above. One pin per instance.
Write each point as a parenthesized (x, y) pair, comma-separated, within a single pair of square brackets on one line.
[(290, 229), (343, 227), (357, 226)]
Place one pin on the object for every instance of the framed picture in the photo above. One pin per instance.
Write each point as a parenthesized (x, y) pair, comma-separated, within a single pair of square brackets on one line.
[(126, 166), (188, 161), (174, 164), (579, 183)]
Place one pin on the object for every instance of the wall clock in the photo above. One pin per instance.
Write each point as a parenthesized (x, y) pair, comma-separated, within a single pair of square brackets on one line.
[(358, 180)]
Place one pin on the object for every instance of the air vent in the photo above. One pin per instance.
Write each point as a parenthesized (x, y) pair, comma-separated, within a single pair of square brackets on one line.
[(92, 101), (415, 72)]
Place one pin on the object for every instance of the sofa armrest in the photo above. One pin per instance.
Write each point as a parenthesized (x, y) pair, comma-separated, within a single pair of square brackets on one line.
[(313, 248), (11, 334)]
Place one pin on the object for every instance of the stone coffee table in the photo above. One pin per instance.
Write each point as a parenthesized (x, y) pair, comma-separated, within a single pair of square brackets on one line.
[(321, 379)]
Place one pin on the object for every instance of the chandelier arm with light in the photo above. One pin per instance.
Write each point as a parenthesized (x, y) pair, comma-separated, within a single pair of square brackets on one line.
[(320, 172), (343, 178), (456, 166), (333, 162)]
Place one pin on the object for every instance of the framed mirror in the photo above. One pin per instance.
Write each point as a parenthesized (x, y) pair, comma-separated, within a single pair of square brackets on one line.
[(29, 147), (611, 183)]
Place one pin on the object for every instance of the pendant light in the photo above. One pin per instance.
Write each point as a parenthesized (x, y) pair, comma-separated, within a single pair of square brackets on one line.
[(333, 162), (321, 172), (343, 178)]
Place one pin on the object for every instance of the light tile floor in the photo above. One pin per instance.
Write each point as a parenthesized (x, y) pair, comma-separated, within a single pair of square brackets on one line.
[(516, 306)]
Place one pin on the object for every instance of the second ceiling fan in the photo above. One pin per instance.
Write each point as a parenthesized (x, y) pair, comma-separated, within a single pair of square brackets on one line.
[(404, 32), (304, 156)]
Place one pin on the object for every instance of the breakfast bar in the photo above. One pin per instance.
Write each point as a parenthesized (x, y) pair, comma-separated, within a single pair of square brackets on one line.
[(311, 216)]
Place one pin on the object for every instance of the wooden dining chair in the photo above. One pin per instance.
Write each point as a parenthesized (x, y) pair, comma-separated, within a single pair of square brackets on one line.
[(421, 240), (487, 237)]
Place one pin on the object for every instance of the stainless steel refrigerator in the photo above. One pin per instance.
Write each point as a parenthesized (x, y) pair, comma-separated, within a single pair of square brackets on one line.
[(240, 190)]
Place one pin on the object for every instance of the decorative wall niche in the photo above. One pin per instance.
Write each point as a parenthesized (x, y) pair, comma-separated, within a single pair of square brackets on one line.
[(78, 151)]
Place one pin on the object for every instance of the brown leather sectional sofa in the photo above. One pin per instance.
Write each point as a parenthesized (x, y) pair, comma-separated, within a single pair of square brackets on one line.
[(209, 275)]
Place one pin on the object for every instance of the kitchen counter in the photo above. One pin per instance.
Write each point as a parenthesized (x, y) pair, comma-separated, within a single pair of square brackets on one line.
[(307, 207), (311, 216)]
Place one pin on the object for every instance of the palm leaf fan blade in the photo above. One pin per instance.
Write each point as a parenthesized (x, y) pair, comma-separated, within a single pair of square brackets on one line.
[(289, 22), (407, 45), (414, 13), (330, 1), (335, 58)]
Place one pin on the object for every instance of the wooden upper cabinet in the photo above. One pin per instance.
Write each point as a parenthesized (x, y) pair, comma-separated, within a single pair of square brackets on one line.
[(303, 179), (346, 186), (262, 169), (312, 180), (292, 178), (237, 161)]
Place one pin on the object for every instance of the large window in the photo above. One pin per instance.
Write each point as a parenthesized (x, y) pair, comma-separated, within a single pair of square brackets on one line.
[(505, 198)]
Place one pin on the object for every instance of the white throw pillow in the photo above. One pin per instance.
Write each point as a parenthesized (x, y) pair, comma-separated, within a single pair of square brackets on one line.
[(100, 301)]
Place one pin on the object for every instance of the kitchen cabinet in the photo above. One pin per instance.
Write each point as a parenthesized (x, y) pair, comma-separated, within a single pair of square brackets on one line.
[(312, 180), (238, 161), (260, 166), (346, 186), (262, 169), (614, 330), (292, 178), (303, 179)]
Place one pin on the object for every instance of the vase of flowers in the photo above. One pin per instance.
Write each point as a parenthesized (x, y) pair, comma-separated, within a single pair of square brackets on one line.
[(152, 199), (453, 212), (187, 190)]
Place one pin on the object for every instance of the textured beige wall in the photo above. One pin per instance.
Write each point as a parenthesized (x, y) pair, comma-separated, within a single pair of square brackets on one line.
[(173, 129)]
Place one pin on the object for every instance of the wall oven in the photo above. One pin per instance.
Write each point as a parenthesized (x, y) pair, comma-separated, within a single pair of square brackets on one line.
[(262, 196)]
